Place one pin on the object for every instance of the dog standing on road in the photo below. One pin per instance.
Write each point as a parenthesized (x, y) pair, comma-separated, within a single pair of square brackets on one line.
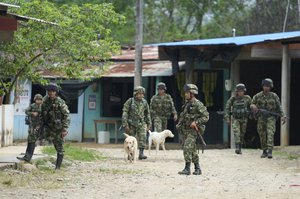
[(130, 148), (159, 138)]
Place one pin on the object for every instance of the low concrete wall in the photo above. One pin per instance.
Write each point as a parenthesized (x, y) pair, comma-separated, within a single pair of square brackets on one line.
[(7, 123)]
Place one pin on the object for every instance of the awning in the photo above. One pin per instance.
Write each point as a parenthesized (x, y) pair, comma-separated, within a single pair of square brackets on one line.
[(156, 68)]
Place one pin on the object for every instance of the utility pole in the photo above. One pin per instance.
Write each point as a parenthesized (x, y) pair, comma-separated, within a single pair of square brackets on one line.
[(138, 43)]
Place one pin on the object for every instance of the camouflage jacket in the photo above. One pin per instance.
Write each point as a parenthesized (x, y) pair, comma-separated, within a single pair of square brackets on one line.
[(136, 113), (239, 107), (162, 106), (192, 111), (34, 120), (270, 102), (55, 114)]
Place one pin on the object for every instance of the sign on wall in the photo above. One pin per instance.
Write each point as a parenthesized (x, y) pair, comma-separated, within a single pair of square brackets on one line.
[(92, 102), (22, 96)]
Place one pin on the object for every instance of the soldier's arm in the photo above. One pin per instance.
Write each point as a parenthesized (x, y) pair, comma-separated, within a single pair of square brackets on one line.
[(152, 104), (28, 111), (147, 116), (125, 113), (65, 117), (248, 101), (172, 106), (204, 115), (278, 106), (228, 108)]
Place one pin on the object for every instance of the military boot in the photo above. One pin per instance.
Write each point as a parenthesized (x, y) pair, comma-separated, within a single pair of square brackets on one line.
[(238, 149), (197, 169), (186, 170), (59, 161), (264, 154), (270, 154), (141, 155), (29, 153)]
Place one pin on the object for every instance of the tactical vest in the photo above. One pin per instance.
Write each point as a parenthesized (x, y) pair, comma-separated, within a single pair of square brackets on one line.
[(239, 109), (136, 118)]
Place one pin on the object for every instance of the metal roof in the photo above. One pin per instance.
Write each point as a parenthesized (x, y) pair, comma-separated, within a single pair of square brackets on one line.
[(149, 53), (238, 40)]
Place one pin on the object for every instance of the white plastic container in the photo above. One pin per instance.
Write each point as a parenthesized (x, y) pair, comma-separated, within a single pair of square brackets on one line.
[(103, 137)]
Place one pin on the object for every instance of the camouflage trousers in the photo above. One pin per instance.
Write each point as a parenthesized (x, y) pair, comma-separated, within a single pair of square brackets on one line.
[(160, 123), (190, 146), (266, 128), (139, 133), (33, 133), (239, 127), (54, 135)]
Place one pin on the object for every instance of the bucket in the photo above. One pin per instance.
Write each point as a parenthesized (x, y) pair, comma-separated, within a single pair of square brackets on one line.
[(103, 137)]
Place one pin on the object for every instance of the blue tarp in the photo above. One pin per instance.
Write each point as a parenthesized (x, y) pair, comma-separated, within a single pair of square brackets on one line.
[(238, 40)]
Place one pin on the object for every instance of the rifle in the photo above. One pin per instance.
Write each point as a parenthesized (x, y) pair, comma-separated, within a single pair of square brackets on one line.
[(199, 136), (265, 112)]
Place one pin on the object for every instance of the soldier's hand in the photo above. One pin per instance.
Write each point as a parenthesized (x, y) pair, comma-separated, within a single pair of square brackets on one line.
[(175, 117), (194, 126), (254, 108), (283, 120), (34, 114), (148, 128), (64, 134), (127, 128)]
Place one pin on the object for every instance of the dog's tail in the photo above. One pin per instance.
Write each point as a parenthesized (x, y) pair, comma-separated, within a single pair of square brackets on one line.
[(126, 135)]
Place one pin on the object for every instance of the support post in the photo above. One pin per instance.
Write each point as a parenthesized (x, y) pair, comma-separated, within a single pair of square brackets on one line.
[(285, 94), (138, 44)]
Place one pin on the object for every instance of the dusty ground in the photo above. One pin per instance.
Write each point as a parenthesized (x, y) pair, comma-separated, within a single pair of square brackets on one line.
[(225, 175)]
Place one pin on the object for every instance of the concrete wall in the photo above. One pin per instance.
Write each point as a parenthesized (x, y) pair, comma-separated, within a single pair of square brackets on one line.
[(7, 124)]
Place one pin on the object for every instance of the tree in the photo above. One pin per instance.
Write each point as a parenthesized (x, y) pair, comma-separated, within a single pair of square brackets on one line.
[(70, 39)]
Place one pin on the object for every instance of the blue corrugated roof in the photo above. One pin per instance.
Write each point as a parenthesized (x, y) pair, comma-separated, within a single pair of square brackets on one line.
[(238, 40)]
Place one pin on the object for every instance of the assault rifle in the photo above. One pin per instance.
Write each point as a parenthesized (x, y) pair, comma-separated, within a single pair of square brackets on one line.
[(201, 138)]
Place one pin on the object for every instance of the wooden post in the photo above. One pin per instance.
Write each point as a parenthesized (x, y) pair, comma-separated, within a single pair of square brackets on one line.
[(189, 64), (138, 44), (285, 94), (235, 79)]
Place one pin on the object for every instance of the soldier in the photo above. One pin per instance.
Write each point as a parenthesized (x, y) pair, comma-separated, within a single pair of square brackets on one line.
[(135, 116), (34, 121), (56, 120), (266, 123), (191, 121), (238, 106), (161, 108)]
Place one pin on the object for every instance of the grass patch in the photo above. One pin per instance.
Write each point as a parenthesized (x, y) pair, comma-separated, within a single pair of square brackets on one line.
[(286, 155), (76, 153), (7, 182)]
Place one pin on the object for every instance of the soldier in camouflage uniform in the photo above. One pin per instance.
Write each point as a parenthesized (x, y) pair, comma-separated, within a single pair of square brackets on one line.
[(35, 121), (266, 124), (56, 120), (239, 107), (136, 115), (161, 108), (191, 120)]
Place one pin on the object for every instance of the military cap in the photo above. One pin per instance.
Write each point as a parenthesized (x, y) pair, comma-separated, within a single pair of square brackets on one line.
[(240, 87), (38, 97), (161, 85), (191, 88), (138, 89), (52, 87), (267, 82)]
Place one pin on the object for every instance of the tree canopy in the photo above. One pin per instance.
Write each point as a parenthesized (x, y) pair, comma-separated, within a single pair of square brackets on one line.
[(76, 37)]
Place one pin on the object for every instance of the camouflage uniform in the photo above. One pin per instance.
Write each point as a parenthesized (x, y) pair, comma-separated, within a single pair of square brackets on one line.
[(135, 116), (192, 111), (266, 124), (161, 108), (35, 122), (56, 120), (239, 108), (34, 129)]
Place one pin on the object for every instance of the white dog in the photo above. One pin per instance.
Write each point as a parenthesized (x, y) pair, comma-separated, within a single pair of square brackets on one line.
[(130, 148), (159, 139)]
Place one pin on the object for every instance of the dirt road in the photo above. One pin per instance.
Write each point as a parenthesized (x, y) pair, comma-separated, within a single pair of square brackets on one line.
[(225, 175)]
